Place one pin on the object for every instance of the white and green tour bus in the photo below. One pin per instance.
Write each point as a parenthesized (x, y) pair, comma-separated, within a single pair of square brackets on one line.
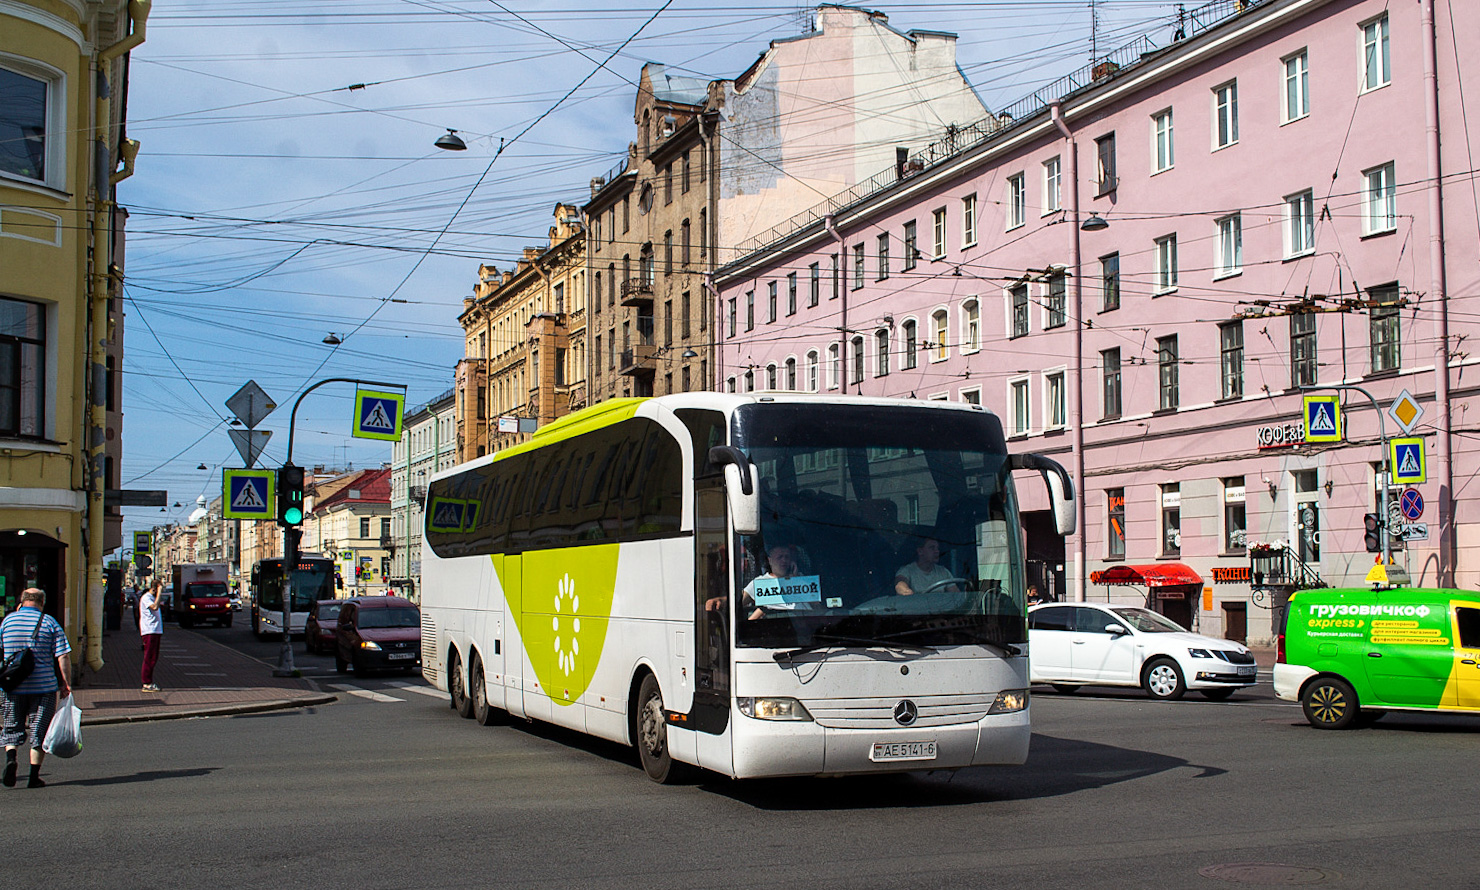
[(744, 583)]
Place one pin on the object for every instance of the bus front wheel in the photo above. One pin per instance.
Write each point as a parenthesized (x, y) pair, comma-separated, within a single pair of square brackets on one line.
[(652, 735)]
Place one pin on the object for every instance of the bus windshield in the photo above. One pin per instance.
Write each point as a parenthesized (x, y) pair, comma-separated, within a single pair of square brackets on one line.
[(313, 581), (895, 526)]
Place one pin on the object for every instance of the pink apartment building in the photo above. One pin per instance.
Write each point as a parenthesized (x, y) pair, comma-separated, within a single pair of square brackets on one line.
[(1140, 272)]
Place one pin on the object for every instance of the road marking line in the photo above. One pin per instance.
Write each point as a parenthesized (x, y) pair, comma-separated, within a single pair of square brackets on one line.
[(411, 687), (204, 673), (364, 693)]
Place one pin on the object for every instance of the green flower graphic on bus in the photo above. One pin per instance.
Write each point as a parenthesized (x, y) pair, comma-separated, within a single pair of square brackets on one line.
[(561, 601)]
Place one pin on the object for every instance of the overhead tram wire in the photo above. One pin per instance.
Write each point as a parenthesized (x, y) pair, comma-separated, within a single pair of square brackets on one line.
[(503, 144)]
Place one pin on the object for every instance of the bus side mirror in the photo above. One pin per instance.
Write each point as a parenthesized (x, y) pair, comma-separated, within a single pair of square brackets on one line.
[(1060, 488), (740, 488)]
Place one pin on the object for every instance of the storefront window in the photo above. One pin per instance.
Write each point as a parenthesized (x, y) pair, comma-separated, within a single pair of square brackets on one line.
[(1115, 526)]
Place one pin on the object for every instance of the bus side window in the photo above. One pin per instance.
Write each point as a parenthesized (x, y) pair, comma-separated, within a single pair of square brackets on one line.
[(660, 485)]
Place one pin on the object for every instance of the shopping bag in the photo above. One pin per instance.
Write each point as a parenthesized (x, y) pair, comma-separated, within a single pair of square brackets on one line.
[(64, 738)]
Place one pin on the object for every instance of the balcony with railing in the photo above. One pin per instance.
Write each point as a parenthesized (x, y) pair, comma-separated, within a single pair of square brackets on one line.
[(640, 357), (638, 292)]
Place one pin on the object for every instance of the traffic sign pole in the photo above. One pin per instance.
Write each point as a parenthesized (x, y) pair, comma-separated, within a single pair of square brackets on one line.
[(1387, 467)]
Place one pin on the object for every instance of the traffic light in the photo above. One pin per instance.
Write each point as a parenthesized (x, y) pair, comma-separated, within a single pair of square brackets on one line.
[(290, 496), (1373, 531)]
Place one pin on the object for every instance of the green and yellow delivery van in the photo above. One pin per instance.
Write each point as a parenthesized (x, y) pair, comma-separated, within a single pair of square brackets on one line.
[(1348, 653)]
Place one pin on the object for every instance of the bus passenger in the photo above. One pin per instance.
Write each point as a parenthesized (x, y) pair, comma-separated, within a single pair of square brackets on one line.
[(781, 562), (924, 573)]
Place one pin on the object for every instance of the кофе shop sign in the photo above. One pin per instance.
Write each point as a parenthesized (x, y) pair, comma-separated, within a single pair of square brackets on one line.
[(1282, 435)]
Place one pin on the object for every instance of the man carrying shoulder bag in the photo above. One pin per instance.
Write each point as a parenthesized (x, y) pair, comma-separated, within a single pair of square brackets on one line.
[(27, 711)]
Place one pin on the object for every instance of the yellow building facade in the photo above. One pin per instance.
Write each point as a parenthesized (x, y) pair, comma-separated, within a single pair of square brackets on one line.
[(63, 79)]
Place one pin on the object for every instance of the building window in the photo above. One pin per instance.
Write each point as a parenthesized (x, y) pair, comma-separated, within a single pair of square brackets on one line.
[(1225, 114), (364, 527), (683, 184), (1115, 523), (771, 378), (1166, 264), (939, 217), (595, 227), (1017, 297), (971, 325), (667, 322), (1017, 201), (750, 381), (883, 256), (1055, 303), (1235, 517), (1109, 282), (1105, 178), (791, 374), (814, 278), (1300, 224), (1018, 399), (1162, 157), (832, 366), (791, 293), (1055, 400), (1382, 200), (1171, 520), (22, 368), (968, 220), (1297, 86), (812, 371), (703, 231), (729, 384), (686, 311), (1052, 185), (28, 116), (750, 310), (668, 183), (837, 277), (668, 252), (770, 302), (857, 266), (685, 239), (942, 328), (626, 214), (1230, 259), (1302, 349), (732, 311), (1167, 373), (1231, 352), (857, 367), (881, 345), (911, 249), (1376, 71), (908, 361), (1385, 328), (1110, 406), (972, 396)]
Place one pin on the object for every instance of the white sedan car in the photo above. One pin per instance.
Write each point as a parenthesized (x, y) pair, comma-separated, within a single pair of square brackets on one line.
[(1092, 644)]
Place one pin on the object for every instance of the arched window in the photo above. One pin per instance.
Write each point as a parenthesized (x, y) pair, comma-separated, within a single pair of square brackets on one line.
[(971, 325), (729, 384), (832, 366), (942, 324), (771, 377), (911, 342), (812, 371), (750, 381), (881, 344), (857, 359), (791, 374)]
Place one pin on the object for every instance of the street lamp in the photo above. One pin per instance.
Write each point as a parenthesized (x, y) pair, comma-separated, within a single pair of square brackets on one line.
[(332, 340), (1095, 223), (451, 141)]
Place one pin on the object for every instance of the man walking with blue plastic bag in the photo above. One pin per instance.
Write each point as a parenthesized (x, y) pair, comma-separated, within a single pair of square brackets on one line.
[(27, 711)]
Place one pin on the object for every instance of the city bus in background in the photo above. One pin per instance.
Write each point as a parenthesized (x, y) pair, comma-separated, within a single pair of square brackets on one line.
[(610, 576), (314, 580)]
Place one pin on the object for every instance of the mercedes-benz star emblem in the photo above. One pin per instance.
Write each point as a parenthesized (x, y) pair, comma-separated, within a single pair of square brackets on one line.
[(905, 713)]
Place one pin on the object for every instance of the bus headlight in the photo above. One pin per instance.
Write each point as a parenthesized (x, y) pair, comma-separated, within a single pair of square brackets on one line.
[(772, 708), (1009, 701), (370, 644)]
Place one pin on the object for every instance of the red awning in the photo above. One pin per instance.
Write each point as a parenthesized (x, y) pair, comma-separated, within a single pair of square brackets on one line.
[(1153, 575)]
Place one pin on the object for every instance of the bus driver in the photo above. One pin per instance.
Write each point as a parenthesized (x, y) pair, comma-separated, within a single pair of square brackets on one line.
[(924, 573)]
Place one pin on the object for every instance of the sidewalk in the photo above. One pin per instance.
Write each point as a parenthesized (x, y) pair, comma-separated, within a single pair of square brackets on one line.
[(197, 676)]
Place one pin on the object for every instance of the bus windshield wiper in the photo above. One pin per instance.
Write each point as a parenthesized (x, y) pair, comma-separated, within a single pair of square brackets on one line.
[(829, 640), (975, 635)]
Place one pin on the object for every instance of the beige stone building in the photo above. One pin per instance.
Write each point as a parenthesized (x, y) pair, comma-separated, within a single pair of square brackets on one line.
[(717, 165), (525, 355)]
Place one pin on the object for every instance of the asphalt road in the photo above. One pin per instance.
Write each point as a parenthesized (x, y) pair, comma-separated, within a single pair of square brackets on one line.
[(394, 790)]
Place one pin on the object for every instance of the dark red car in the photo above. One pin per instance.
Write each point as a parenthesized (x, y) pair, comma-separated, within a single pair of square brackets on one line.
[(378, 632), (323, 618)]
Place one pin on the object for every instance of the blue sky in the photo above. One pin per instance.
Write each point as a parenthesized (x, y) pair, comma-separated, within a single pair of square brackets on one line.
[(288, 187)]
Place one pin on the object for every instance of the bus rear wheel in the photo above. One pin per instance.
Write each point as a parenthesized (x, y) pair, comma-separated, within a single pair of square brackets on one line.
[(459, 692), (651, 736), (485, 713)]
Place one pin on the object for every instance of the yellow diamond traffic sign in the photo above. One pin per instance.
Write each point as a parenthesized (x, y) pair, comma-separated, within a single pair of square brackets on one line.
[(1406, 410)]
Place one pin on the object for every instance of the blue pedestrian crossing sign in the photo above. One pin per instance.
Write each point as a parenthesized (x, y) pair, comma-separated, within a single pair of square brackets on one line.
[(1322, 419), (1407, 461), (378, 415), (248, 494)]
